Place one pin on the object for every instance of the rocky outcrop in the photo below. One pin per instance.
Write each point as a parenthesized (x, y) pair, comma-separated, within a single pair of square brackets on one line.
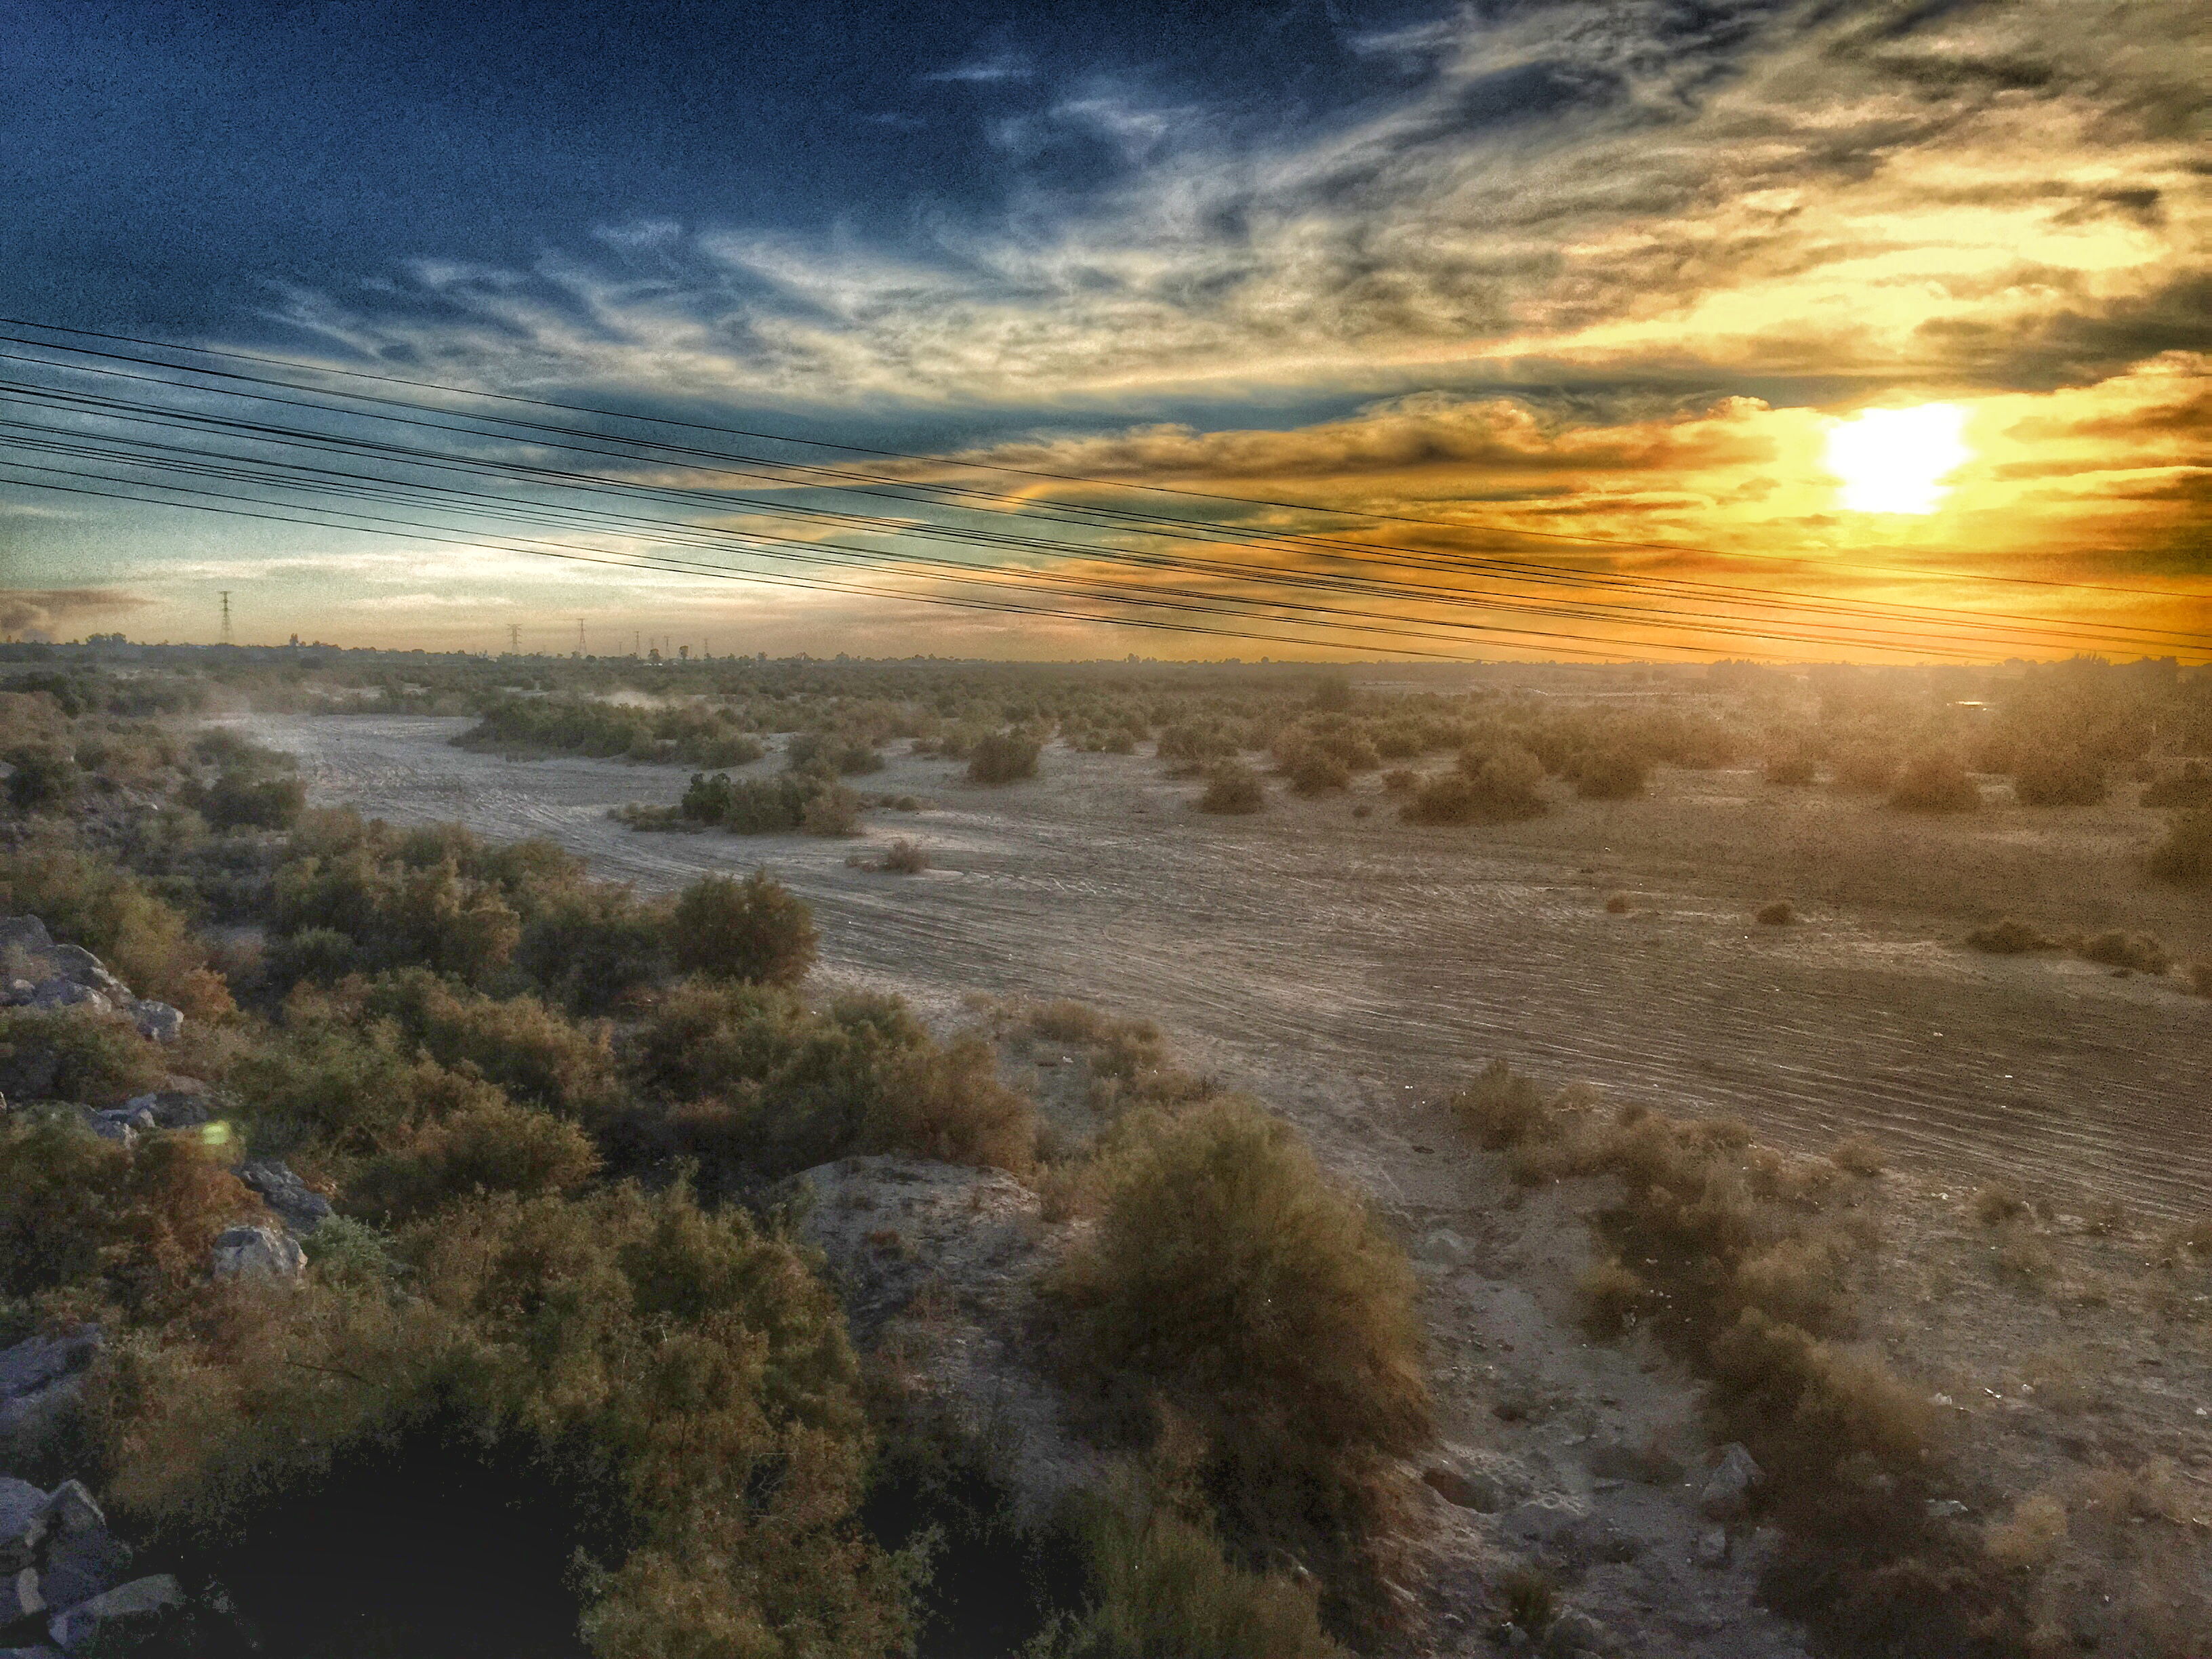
[(257, 1252), (39, 1378), (37, 972), (129, 1611), (938, 1265), (59, 1564), (301, 1208)]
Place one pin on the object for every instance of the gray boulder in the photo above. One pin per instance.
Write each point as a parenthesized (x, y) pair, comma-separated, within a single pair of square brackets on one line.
[(302, 1208), (18, 992), (30, 1653), (26, 933), (60, 992), (74, 1512), (38, 1362), (19, 1596), (176, 1106), (157, 1022), (114, 1125), (81, 1567), (1727, 1492), (22, 1523), (1713, 1547), (135, 1609), (257, 1252)]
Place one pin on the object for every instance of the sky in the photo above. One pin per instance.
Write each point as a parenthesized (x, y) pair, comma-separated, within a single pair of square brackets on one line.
[(1587, 288)]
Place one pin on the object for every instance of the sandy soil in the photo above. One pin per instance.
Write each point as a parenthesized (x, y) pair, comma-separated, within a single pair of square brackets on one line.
[(1346, 968)]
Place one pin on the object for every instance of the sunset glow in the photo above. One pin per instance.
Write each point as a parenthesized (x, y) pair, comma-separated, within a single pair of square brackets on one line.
[(1895, 461)]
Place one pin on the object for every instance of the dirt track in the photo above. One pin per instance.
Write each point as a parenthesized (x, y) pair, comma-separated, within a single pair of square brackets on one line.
[(1345, 967)]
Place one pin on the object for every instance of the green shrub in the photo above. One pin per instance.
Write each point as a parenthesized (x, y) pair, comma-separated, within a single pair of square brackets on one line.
[(1004, 758), (45, 778), (1229, 1275), (2190, 786), (2142, 953), (757, 1081), (1164, 1588), (1501, 1107), (345, 1088), (88, 1224), (834, 810), (1490, 786), (593, 946), (1233, 789), (1935, 781), (1610, 773), (69, 1053), (532, 1051), (144, 940), (239, 801), (1866, 768), (2184, 857), (490, 1145), (685, 1374), (2010, 937), (2060, 777), (1314, 770), (753, 929)]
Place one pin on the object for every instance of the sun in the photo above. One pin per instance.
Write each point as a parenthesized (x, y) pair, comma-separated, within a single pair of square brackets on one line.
[(1895, 461)]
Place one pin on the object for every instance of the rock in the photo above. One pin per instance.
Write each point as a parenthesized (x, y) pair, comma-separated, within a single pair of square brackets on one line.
[(113, 1125), (1727, 1492), (1467, 1491), (257, 1253), (19, 1596), (1713, 1547), (1548, 1517), (32, 1365), (22, 1522), (30, 1653), (129, 1610), (1448, 1247), (174, 1107), (60, 992), (302, 1208), (26, 933), (1575, 1633), (1945, 1509), (19, 991), (82, 1566), (1475, 1477), (157, 1021), (73, 1512)]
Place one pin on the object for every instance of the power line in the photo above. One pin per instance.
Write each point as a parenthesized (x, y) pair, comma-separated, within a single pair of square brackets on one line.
[(991, 467), (290, 475)]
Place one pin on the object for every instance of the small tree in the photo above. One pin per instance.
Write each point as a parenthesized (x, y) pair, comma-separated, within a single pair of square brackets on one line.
[(1003, 757), (752, 930), (2184, 857), (1231, 788), (44, 780), (1936, 781)]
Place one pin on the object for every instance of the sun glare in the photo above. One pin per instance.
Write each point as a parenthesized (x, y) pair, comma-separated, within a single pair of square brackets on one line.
[(1895, 461)]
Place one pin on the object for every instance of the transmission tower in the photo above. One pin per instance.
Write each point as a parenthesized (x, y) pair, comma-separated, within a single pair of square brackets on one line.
[(225, 614), (514, 638), (579, 636)]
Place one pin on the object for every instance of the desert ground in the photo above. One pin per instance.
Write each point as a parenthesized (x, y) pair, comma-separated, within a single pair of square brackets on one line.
[(1346, 968), (1352, 970)]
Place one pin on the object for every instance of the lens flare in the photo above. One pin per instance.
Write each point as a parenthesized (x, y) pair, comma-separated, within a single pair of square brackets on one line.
[(1895, 461)]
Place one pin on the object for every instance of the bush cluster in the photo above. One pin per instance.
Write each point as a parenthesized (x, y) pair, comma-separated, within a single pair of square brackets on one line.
[(1233, 789), (1717, 1247)]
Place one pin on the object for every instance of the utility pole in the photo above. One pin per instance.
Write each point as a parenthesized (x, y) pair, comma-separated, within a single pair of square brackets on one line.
[(226, 615)]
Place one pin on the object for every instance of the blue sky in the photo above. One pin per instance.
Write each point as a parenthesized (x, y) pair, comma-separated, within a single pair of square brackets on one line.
[(1388, 255)]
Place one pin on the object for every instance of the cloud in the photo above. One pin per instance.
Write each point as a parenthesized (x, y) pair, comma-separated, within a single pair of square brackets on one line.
[(999, 66), (42, 610)]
